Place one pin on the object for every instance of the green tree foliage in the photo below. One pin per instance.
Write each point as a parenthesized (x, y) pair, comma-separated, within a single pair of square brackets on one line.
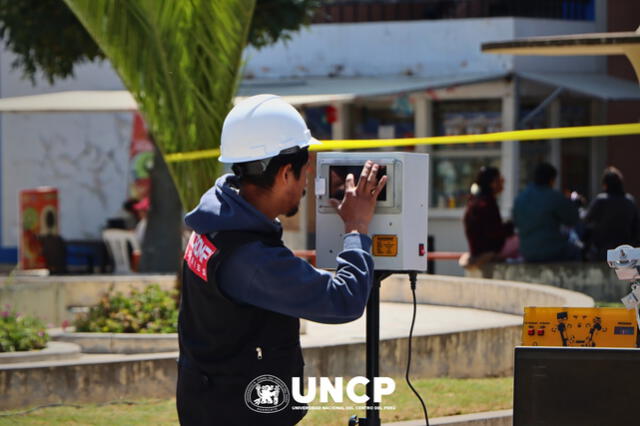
[(48, 38), (275, 20), (180, 61), (45, 36)]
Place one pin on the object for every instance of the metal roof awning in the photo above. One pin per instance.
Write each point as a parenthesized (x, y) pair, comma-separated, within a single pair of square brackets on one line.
[(601, 86), (299, 92), (314, 91), (71, 101), (324, 90)]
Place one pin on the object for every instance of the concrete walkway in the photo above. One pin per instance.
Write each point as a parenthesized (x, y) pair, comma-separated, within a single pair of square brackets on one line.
[(490, 418), (395, 320)]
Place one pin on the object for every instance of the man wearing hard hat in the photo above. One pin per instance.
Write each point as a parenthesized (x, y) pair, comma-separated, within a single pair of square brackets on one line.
[(243, 291)]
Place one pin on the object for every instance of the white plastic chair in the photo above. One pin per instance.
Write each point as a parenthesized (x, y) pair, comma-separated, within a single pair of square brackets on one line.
[(117, 241)]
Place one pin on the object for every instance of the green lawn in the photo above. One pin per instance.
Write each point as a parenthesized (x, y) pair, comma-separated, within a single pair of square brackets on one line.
[(444, 397)]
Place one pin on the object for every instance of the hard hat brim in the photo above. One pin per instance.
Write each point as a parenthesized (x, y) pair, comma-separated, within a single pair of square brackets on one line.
[(306, 144)]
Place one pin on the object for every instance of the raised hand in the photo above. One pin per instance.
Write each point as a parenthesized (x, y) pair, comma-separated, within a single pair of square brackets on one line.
[(358, 204)]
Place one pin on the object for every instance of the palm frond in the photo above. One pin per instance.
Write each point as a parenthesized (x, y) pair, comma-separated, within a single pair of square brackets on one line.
[(180, 59)]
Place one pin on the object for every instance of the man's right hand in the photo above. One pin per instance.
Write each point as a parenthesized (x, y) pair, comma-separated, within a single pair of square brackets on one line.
[(359, 202)]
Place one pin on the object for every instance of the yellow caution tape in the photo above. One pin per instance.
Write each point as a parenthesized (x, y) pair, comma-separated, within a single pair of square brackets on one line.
[(193, 155), (516, 135)]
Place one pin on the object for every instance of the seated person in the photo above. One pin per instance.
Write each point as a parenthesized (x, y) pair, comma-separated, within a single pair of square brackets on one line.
[(483, 225), (142, 210), (539, 214), (612, 217)]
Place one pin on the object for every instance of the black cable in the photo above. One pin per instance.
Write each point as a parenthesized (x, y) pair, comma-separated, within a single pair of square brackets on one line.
[(31, 410), (413, 278), (54, 405)]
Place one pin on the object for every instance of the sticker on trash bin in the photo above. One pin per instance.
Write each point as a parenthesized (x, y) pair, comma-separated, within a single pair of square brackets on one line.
[(385, 245), (197, 255)]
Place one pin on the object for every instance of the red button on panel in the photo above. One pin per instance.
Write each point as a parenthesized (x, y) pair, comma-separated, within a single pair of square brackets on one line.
[(420, 249), (541, 332), (531, 332)]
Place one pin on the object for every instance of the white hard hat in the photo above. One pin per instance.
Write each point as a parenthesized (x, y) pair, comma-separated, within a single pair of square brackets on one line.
[(261, 127)]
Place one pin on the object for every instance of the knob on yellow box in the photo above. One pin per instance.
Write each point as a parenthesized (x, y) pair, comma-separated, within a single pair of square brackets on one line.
[(587, 327)]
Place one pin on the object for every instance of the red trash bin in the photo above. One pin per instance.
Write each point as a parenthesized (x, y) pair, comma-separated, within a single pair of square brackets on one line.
[(38, 217)]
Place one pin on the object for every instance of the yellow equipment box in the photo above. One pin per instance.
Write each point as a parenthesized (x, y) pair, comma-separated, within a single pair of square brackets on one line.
[(589, 327)]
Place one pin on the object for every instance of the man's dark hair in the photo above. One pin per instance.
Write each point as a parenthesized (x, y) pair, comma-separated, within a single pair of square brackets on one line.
[(250, 172), (485, 178), (613, 180), (545, 173)]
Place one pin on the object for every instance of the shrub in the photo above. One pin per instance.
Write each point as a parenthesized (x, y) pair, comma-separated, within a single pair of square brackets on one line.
[(21, 333), (152, 310)]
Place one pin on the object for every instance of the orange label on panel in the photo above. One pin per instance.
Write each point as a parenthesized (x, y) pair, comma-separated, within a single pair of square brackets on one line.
[(385, 245)]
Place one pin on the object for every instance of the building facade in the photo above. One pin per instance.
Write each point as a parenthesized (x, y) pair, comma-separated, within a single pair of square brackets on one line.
[(403, 69), (363, 70)]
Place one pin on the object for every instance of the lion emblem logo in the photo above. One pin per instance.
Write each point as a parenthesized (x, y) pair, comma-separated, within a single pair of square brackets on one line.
[(266, 394)]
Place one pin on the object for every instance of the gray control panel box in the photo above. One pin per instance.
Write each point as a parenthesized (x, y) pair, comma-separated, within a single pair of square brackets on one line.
[(399, 226)]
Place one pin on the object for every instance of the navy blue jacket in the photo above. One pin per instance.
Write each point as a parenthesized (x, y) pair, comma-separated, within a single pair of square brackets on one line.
[(612, 220), (539, 213), (273, 278)]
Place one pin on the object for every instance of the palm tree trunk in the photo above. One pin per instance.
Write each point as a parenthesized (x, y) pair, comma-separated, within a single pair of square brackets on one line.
[(162, 244)]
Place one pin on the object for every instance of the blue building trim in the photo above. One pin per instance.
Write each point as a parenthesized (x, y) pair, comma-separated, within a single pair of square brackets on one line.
[(9, 255), (76, 256)]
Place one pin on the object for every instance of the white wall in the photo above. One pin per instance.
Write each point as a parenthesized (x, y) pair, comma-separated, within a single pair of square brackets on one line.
[(84, 155), (424, 48), (384, 48)]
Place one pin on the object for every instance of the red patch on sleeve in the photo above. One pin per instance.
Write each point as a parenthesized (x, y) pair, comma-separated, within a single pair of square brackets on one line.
[(199, 251)]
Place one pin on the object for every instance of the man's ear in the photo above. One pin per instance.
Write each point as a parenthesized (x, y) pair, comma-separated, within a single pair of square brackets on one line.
[(285, 173)]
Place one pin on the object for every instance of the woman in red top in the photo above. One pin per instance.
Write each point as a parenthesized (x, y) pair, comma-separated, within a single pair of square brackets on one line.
[(485, 231)]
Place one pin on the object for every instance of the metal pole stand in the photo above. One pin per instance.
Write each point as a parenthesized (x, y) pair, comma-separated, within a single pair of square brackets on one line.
[(373, 346)]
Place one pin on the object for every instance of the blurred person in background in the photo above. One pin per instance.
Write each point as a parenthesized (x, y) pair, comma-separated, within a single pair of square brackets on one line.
[(127, 217), (612, 218), (540, 214), (129, 213), (486, 233), (142, 210)]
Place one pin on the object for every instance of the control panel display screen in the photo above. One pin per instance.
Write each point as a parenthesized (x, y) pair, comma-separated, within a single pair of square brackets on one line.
[(338, 176)]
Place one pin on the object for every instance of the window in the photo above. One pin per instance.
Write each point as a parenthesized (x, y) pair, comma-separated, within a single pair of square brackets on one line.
[(575, 153), (532, 153), (383, 119), (454, 166), (453, 177)]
